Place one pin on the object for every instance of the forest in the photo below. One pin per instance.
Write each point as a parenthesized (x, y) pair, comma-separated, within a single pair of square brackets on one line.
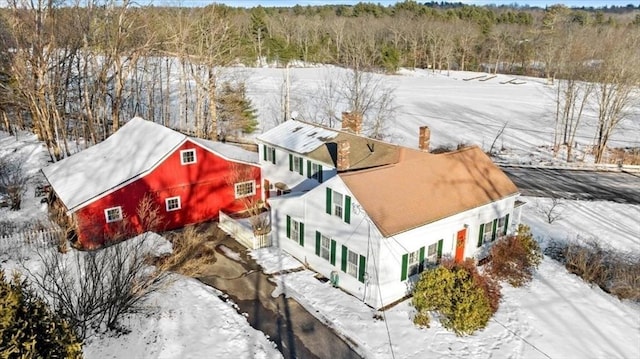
[(72, 70)]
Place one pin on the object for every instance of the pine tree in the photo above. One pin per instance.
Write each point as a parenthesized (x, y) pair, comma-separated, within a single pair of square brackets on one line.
[(29, 329), (236, 114)]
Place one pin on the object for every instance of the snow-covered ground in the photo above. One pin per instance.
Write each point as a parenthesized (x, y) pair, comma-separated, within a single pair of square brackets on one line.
[(457, 111), (556, 316)]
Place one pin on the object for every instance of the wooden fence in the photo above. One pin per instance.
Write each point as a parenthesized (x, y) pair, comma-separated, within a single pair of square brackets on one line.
[(243, 233), (42, 238)]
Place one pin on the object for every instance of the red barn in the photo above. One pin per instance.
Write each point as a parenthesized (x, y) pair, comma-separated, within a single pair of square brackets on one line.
[(146, 176)]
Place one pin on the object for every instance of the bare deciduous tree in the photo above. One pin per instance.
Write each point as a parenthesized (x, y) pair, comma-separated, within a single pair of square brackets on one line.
[(617, 78), (551, 211), (13, 180), (94, 290)]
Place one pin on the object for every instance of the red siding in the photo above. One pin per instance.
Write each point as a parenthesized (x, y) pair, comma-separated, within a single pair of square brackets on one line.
[(204, 188)]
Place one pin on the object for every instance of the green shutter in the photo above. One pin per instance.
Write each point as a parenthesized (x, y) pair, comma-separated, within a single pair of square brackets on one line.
[(506, 223), (318, 243), (273, 155), (328, 207), (347, 209), (264, 152), (421, 259), (480, 235), (301, 166), (288, 227), (308, 169), (343, 260), (290, 162), (440, 242), (405, 262), (302, 234), (362, 267), (493, 233), (320, 173), (333, 252)]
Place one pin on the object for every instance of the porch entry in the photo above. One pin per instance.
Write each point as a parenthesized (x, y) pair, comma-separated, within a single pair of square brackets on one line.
[(461, 238)]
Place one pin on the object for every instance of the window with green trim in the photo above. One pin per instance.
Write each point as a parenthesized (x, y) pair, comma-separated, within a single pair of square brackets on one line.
[(487, 234), (269, 154), (352, 264), (314, 170), (296, 164), (295, 230), (325, 246), (413, 263), (338, 205), (432, 254), (501, 230)]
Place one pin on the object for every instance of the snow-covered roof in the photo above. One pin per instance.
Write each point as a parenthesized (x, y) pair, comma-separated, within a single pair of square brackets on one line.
[(298, 136), (230, 152), (132, 150)]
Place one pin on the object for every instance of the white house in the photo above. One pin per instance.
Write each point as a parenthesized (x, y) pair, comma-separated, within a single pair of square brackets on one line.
[(372, 215)]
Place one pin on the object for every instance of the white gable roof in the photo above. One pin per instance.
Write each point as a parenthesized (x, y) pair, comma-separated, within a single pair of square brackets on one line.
[(229, 152), (298, 136), (132, 150)]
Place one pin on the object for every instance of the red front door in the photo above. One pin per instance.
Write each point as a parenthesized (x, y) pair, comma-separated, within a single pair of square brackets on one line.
[(460, 239)]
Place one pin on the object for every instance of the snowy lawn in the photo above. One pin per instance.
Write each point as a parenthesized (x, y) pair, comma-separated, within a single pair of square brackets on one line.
[(557, 315)]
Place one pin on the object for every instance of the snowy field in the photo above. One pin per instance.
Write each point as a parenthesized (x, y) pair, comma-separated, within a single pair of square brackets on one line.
[(556, 316), (457, 111)]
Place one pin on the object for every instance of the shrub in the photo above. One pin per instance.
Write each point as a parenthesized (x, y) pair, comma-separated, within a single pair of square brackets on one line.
[(95, 290), (191, 253), (490, 286), (457, 294), (614, 272), (514, 258), (29, 329)]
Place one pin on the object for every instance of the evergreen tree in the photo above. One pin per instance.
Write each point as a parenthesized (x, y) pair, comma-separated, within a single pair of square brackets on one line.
[(236, 114), (29, 329)]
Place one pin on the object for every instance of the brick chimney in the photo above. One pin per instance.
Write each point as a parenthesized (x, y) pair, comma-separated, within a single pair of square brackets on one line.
[(342, 161), (352, 122), (424, 139)]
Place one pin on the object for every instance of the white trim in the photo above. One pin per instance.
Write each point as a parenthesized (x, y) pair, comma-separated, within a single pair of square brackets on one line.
[(106, 214), (184, 152), (166, 204), (71, 211), (253, 189)]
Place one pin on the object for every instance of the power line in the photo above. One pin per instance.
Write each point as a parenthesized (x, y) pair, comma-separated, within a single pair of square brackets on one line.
[(521, 338)]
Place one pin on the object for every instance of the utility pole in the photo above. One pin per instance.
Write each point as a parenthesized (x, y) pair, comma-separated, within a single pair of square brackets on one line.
[(287, 102)]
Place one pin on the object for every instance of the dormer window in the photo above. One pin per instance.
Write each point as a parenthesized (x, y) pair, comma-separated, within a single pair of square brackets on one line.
[(187, 157)]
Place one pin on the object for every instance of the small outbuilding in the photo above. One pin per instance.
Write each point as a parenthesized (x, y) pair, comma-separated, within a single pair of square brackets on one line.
[(147, 176)]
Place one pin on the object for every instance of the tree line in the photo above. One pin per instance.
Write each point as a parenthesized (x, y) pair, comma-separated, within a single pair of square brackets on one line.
[(79, 69)]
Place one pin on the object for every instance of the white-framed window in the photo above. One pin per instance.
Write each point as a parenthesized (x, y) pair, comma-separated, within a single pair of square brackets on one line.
[(245, 189), (325, 247), (172, 203), (488, 232), (432, 254), (315, 171), (188, 156), (297, 164), (413, 264), (501, 231), (270, 154), (113, 214), (295, 230), (352, 264), (337, 204)]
